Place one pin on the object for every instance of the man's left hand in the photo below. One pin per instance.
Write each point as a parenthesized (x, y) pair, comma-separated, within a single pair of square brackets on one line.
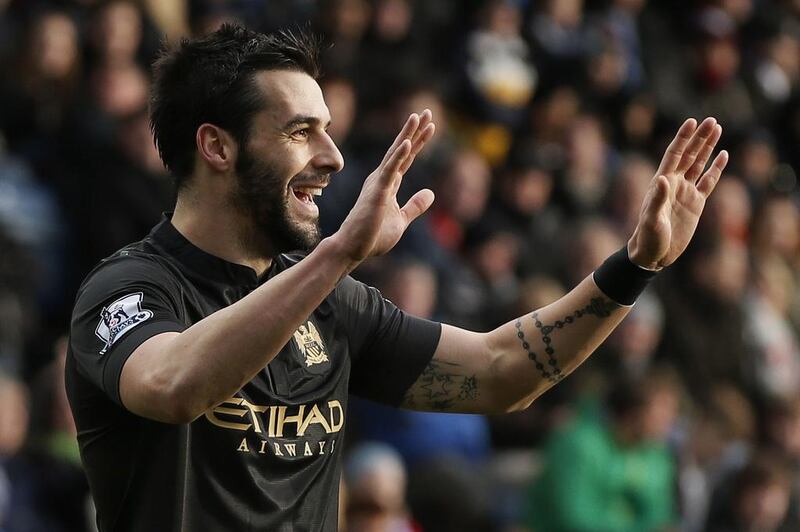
[(677, 195)]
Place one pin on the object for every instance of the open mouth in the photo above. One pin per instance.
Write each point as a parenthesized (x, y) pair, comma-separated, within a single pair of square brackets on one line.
[(306, 194)]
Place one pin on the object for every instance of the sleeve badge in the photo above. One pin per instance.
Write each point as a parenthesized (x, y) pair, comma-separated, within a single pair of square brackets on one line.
[(120, 317)]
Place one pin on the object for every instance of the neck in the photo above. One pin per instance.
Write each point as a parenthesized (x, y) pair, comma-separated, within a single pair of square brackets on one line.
[(213, 226)]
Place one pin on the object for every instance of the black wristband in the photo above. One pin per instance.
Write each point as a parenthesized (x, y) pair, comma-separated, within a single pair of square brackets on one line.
[(620, 279)]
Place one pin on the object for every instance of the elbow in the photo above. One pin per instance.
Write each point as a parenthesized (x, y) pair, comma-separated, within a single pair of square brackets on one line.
[(188, 395), (508, 394), (183, 404), (517, 406), (506, 401), (180, 414), (500, 406), (157, 382), (167, 400)]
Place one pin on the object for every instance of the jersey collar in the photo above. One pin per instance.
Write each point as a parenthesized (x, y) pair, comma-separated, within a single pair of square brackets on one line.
[(166, 236)]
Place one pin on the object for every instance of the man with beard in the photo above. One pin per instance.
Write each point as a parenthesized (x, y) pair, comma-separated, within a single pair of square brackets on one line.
[(210, 364)]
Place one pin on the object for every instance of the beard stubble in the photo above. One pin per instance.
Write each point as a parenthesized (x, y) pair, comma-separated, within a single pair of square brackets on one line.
[(261, 191)]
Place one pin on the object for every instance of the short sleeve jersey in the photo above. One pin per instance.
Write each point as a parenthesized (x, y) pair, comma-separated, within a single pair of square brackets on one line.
[(267, 458)]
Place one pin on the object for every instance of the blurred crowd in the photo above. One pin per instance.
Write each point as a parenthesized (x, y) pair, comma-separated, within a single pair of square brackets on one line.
[(551, 119)]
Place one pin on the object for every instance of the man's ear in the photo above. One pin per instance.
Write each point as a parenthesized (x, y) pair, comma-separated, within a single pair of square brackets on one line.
[(216, 147)]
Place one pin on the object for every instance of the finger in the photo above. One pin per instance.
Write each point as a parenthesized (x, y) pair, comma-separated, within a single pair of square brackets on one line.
[(698, 140), (426, 135), (425, 118), (390, 171), (709, 180), (418, 204), (699, 164), (675, 149), (407, 131)]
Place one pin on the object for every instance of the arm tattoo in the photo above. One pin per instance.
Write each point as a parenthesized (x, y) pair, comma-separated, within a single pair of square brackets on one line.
[(597, 307), (441, 386)]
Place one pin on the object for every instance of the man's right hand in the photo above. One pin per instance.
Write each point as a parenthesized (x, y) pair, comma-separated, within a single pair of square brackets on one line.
[(376, 222)]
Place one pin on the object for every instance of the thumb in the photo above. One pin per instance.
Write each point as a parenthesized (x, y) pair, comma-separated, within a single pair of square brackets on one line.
[(418, 204)]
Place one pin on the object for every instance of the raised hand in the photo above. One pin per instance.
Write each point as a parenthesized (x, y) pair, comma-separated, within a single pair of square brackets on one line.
[(677, 195), (377, 221)]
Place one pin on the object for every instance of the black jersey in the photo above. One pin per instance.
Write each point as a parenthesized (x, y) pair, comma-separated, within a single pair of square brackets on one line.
[(266, 459)]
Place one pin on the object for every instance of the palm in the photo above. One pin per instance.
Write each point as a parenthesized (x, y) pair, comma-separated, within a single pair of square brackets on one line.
[(377, 221), (393, 226), (681, 218), (677, 195)]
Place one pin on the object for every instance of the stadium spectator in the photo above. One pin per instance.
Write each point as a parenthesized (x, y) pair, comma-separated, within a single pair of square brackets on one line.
[(759, 499), (610, 468), (376, 480)]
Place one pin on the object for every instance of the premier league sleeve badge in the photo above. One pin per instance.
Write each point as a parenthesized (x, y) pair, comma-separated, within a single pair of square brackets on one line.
[(120, 317)]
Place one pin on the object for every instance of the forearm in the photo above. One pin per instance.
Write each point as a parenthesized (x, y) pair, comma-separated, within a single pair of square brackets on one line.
[(534, 352), (215, 357), (507, 368)]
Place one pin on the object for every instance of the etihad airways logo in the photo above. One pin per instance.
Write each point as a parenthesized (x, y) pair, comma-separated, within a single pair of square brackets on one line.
[(276, 425), (273, 420)]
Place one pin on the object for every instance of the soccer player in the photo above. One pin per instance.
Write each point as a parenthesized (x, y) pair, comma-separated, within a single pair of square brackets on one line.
[(209, 368)]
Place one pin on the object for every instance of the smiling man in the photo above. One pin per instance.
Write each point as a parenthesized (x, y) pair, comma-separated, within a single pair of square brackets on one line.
[(210, 364)]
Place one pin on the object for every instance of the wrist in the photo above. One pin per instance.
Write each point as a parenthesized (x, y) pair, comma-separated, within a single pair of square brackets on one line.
[(621, 279), (336, 254), (636, 256)]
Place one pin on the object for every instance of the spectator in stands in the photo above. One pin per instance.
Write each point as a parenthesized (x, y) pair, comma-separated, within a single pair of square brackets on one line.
[(731, 211), (116, 33), (703, 332), (522, 202), (610, 469), (463, 189), (719, 440), (591, 239), (50, 490), (632, 346), (14, 417), (782, 440), (776, 229), (376, 493), (774, 346), (586, 177), (628, 190), (759, 500), (501, 79), (46, 80), (757, 159)]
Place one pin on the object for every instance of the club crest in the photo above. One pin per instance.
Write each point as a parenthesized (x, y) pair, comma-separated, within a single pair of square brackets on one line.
[(310, 344), (120, 317)]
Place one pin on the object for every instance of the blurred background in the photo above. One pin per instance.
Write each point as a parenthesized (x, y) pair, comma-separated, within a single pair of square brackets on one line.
[(551, 118)]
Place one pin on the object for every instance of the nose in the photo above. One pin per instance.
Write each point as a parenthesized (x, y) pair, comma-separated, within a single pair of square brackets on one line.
[(328, 156)]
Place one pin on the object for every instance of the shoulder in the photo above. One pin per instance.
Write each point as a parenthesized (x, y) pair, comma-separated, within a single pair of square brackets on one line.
[(121, 293), (126, 263), (130, 266)]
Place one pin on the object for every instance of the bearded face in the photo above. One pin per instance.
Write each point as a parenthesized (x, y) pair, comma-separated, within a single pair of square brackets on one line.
[(284, 163), (267, 197)]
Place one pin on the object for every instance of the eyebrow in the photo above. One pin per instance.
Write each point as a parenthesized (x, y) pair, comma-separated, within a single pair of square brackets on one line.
[(303, 119)]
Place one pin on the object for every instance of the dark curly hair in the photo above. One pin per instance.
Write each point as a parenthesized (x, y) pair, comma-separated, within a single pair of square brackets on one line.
[(211, 80)]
